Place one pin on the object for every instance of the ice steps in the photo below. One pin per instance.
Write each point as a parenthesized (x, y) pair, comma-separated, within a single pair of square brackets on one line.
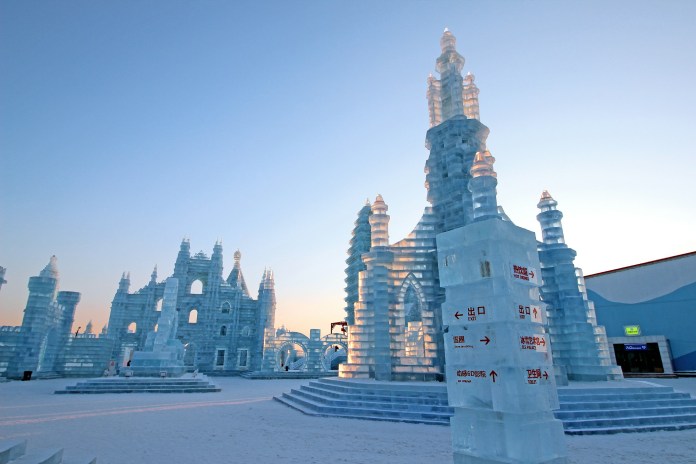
[(142, 385), (15, 452), (398, 403), (597, 410)]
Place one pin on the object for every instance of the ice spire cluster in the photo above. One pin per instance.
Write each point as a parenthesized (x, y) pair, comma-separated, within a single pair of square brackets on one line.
[(452, 95)]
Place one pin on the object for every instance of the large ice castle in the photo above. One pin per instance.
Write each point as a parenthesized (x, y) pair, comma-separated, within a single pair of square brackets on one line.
[(393, 293), (221, 325)]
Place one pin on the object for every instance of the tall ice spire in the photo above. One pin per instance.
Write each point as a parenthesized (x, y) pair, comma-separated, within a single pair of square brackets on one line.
[(452, 95)]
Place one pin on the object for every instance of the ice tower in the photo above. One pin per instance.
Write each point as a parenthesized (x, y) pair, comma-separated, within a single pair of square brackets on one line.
[(455, 136), (46, 325), (580, 346), (499, 367), (393, 293)]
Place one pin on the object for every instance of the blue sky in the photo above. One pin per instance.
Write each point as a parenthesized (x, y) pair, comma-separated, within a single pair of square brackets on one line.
[(125, 126)]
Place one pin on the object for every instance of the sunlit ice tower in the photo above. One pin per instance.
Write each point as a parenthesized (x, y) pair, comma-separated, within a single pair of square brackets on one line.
[(580, 346), (393, 292)]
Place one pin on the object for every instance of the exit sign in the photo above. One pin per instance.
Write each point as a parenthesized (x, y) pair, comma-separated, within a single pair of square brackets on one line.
[(632, 330)]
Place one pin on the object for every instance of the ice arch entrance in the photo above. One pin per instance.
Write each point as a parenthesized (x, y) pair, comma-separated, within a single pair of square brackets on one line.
[(333, 354), (413, 319), (291, 356)]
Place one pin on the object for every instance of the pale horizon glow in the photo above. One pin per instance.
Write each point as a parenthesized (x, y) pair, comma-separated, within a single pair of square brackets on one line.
[(125, 127)]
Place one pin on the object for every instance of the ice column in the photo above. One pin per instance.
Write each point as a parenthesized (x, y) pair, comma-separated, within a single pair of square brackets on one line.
[(470, 93), (580, 346), (498, 360)]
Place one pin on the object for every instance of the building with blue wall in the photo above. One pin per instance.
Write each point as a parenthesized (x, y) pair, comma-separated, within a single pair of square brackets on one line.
[(653, 302)]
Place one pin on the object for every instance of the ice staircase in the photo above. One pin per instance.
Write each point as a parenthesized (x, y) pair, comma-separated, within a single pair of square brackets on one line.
[(390, 401), (15, 452), (587, 411), (591, 410), (199, 384)]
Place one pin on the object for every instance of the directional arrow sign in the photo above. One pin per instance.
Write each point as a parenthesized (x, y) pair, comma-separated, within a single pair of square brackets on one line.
[(485, 340), (493, 375), (458, 315)]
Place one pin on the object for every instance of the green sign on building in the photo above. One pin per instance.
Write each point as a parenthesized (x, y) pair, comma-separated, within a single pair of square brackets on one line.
[(632, 330)]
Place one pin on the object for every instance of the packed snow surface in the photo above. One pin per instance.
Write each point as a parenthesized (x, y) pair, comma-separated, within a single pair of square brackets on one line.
[(243, 424)]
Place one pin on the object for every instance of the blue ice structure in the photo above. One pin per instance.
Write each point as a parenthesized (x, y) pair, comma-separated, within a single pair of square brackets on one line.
[(499, 372), (220, 325), (580, 346), (393, 291), (46, 325)]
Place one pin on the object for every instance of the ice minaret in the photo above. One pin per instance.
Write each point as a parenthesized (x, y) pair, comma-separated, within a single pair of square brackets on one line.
[(470, 93), (482, 186), (580, 346), (359, 244), (454, 139)]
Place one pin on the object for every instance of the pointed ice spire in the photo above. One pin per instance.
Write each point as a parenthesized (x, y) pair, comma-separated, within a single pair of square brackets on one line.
[(482, 186), (88, 328), (470, 94), (153, 276), (550, 220), (236, 278), (51, 269), (379, 223), (450, 96), (124, 283)]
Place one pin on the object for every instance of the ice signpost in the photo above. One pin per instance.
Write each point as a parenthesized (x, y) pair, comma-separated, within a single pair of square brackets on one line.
[(498, 360)]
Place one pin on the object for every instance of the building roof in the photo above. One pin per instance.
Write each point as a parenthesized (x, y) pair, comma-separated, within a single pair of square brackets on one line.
[(647, 263)]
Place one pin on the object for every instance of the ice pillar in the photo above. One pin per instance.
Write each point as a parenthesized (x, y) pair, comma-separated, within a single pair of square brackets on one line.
[(581, 349), (498, 360)]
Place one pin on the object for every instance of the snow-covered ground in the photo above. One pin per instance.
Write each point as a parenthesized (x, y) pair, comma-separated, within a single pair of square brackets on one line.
[(243, 424)]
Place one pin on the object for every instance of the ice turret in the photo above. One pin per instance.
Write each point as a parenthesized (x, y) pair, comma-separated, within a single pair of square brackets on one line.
[(434, 95), (2, 276), (482, 186), (48, 317), (379, 223), (124, 283), (182, 259), (267, 307), (580, 346), (450, 64), (153, 276), (470, 94), (216, 263), (550, 220)]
